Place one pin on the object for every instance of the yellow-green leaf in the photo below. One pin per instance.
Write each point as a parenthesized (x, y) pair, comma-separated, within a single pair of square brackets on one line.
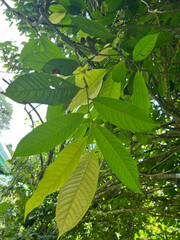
[(110, 88), (55, 18), (91, 82), (57, 173), (102, 55), (77, 193)]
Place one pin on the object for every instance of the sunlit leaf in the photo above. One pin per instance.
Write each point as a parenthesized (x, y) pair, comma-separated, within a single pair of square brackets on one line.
[(48, 135), (124, 114), (55, 18), (140, 95), (102, 55), (57, 173), (144, 47), (117, 157), (41, 88), (77, 193), (119, 73), (91, 81)]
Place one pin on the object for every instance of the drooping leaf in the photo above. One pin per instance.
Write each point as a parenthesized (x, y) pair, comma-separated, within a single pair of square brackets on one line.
[(48, 135), (144, 47), (91, 82), (110, 88), (119, 73), (61, 66), (124, 114), (38, 52), (140, 95), (77, 193), (41, 88), (93, 28), (56, 17), (117, 157), (57, 173)]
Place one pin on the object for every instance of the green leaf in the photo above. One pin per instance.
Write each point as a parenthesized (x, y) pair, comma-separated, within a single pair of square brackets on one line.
[(41, 88), (117, 157), (119, 73), (93, 28), (140, 96), (57, 173), (61, 66), (110, 88), (48, 135), (56, 17), (113, 4), (144, 47), (38, 52), (54, 112), (91, 82), (124, 114), (77, 193), (57, 8)]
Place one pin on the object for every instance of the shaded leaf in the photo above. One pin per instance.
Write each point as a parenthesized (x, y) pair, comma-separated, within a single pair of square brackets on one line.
[(93, 28), (144, 47), (54, 112), (119, 73), (117, 157), (57, 173), (77, 193), (41, 88), (140, 95), (124, 114), (61, 66), (101, 54), (38, 52), (48, 135)]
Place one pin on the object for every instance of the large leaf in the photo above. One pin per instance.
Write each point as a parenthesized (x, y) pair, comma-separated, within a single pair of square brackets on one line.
[(124, 114), (119, 73), (140, 95), (62, 66), (77, 193), (38, 52), (57, 173), (93, 28), (144, 47), (110, 88), (48, 135), (54, 112), (117, 157), (91, 82), (41, 88)]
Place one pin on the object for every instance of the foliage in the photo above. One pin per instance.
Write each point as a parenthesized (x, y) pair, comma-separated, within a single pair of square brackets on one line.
[(109, 73), (5, 113)]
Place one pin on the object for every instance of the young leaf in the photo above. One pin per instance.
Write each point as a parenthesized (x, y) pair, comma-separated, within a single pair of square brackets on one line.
[(140, 96), (144, 47), (117, 157), (48, 135), (55, 18), (91, 81), (93, 28), (110, 88), (41, 88), (77, 193), (57, 173), (124, 114)]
